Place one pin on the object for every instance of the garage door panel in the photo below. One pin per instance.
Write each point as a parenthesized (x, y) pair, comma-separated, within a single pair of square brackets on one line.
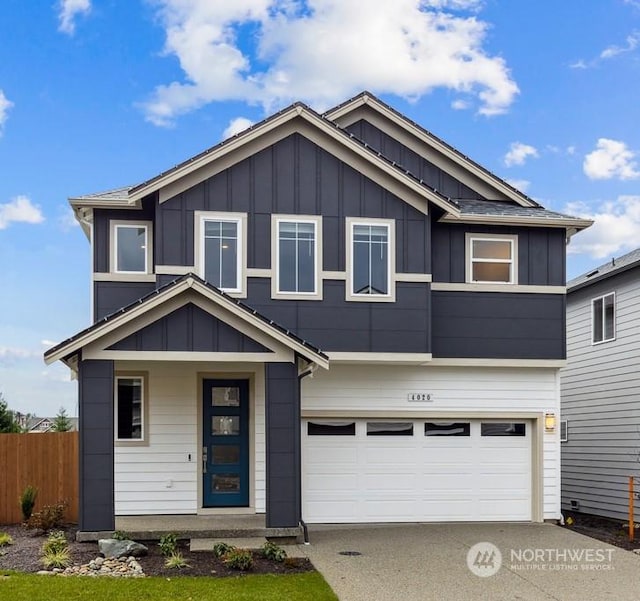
[(332, 511), (389, 509), (336, 456), (503, 510), (447, 509), (333, 482)]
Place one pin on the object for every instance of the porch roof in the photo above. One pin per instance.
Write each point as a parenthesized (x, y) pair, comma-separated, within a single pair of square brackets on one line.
[(70, 347)]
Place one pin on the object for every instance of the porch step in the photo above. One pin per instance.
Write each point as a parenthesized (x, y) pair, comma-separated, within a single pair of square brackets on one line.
[(206, 544)]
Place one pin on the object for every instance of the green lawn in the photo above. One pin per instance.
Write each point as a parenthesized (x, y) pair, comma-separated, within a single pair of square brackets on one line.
[(295, 587)]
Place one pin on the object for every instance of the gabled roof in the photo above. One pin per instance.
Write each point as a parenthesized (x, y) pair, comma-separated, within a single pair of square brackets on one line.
[(68, 348), (607, 270), (368, 99)]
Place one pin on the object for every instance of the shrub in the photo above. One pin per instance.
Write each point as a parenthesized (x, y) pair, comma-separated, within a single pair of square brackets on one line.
[(56, 559), (56, 542), (27, 501), (5, 539), (120, 535), (272, 551), (168, 544), (49, 517), (221, 549), (239, 559), (176, 561)]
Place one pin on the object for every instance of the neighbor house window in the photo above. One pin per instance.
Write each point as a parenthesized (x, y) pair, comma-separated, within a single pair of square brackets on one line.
[(492, 259), (297, 249), (371, 253), (131, 248), (130, 410), (603, 318), (221, 238)]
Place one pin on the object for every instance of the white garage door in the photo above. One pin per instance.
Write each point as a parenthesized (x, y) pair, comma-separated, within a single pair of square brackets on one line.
[(426, 470)]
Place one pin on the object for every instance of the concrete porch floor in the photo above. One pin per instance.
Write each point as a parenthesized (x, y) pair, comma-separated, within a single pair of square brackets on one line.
[(152, 527)]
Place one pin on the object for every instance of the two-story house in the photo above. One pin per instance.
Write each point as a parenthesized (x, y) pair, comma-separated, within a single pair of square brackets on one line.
[(334, 317), (600, 389)]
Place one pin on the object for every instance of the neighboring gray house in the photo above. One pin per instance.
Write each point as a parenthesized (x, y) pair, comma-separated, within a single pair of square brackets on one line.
[(601, 389), (335, 318)]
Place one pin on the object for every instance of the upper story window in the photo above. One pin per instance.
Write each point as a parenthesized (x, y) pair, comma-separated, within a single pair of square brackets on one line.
[(130, 408), (371, 257), (221, 238), (296, 252), (603, 312), (492, 259), (131, 247)]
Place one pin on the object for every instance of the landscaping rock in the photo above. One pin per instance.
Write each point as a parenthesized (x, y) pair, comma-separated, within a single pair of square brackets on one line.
[(637, 551), (111, 547), (127, 567), (45, 573)]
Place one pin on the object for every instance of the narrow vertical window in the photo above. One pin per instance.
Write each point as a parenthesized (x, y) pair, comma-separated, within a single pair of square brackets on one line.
[(491, 259), (370, 269), (129, 408), (222, 260), (131, 248), (603, 318), (297, 257)]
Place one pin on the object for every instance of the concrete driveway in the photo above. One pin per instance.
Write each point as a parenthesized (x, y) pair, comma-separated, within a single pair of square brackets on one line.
[(429, 561)]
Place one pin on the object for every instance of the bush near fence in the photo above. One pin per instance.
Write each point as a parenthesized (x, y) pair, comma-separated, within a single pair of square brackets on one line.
[(48, 461)]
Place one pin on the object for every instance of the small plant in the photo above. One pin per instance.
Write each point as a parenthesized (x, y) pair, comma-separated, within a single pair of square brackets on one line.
[(239, 559), (5, 539), (168, 544), (56, 541), (27, 501), (176, 561), (273, 552), (120, 535), (221, 549), (49, 517), (56, 559)]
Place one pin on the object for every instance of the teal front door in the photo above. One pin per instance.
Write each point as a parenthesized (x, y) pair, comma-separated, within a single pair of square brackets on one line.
[(225, 443)]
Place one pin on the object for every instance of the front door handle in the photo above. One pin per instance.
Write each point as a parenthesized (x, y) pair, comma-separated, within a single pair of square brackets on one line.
[(204, 460)]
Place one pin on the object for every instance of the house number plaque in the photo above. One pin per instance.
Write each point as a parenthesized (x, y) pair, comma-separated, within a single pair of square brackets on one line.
[(419, 397)]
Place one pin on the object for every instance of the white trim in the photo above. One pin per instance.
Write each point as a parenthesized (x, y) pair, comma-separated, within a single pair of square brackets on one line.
[(533, 221), (593, 301), (420, 278), (143, 377), (124, 277), (334, 275), (373, 358), (478, 362), (193, 356), (256, 272), (175, 269), (240, 219), (517, 288), (114, 226), (390, 224), (276, 293), (470, 238)]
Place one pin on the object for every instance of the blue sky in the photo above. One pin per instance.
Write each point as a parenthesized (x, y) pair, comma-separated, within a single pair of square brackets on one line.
[(95, 94)]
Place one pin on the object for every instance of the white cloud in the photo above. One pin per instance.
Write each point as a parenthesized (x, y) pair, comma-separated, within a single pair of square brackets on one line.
[(632, 42), (616, 228), (68, 11), (47, 343), (519, 153), (236, 126), (67, 219), (19, 210), (460, 105), (610, 159), (8, 353), (571, 150), (5, 105), (579, 64), (520, 184), (323, 51)]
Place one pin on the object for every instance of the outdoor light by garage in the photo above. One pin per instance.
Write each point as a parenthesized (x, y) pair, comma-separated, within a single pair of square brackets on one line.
[(549, 422)]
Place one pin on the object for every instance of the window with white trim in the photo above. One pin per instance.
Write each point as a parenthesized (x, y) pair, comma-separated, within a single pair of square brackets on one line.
[(297, 256), (131, 248), (222, 252), (603, 318), (370, 245), (492, 259), (129, 408)]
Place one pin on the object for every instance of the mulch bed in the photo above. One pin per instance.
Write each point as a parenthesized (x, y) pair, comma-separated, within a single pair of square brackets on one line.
[(607, 530), (25, 553)]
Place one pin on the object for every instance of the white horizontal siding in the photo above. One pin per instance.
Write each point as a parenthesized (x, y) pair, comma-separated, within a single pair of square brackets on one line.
[(600, 401), (159, 478), (459, 390)]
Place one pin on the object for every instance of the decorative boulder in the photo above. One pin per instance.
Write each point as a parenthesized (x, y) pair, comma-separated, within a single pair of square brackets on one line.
[(111, 547)]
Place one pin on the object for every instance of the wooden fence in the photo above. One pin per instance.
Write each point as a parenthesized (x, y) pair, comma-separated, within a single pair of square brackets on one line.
[(48, 461)]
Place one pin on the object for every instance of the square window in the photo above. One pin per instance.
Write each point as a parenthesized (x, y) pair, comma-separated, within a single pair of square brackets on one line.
[(129, 405), (603, 325), (491, 259), (131, 248)]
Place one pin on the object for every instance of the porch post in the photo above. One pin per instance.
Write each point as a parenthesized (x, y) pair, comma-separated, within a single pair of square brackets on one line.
[(95, 389), (283, 445)]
